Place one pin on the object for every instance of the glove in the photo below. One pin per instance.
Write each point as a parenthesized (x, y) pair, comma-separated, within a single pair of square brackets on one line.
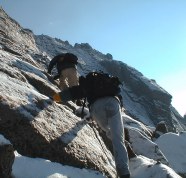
[(56, 97)]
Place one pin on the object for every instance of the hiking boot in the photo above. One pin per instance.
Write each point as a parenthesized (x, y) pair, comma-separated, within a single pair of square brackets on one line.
[(125, 176)]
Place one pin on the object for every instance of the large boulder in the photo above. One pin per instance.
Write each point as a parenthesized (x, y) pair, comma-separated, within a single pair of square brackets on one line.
[(161, 129), (37, 126), (172, 146), (6, 158), (13, 37)]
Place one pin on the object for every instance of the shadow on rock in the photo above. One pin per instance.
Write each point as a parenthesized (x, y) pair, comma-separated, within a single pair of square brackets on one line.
[(69, 136)]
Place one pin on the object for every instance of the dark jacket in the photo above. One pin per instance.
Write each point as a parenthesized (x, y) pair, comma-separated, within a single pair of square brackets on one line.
[(82, 91), (61, 61), (72, 93)]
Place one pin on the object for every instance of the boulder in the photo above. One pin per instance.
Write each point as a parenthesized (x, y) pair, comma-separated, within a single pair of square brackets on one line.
[(161, 129), (6, 158), (144, 146)]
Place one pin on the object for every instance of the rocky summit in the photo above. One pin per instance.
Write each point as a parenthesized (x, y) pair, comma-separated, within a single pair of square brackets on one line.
[(38, 127)]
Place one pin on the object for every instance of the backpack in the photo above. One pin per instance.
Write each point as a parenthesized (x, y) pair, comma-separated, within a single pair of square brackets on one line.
[(70, 58), (97, 85), (100, 84)]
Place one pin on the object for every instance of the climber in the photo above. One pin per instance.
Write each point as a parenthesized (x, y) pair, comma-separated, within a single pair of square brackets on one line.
[(104, 104), (67, 70)]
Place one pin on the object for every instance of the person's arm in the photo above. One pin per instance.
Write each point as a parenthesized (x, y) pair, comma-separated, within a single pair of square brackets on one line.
[(51, 64), (56, 77), (72, 93)]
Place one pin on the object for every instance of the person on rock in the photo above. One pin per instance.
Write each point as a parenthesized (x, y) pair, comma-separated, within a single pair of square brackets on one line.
[(105, 109), (66, 65)]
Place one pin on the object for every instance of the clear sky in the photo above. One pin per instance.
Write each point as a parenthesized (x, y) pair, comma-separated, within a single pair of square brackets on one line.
[(149, 35)]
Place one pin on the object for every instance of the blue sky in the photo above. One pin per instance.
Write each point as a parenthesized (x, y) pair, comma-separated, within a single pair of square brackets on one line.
[(149, 35)]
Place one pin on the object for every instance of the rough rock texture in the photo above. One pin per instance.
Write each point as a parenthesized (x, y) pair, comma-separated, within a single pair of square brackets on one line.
[(13, 37), (6, 158)]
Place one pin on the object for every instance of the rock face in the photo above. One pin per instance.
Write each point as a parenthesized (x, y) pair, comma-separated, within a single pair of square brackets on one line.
[(161, 129), (6, 158), (13, 37), (38, 127), (151, 101)]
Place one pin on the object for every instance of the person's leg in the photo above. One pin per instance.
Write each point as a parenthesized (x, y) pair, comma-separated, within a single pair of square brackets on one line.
[(72, 77), (73, 80), (63, 80), (106, 112), (97, 112), (117, 136)]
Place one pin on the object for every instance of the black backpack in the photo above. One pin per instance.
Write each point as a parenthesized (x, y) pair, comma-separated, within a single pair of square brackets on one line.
[(100, 84), (97, 85), (70, 58)]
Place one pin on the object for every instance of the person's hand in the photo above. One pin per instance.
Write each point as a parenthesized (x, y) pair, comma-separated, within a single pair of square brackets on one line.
[(56, 97)]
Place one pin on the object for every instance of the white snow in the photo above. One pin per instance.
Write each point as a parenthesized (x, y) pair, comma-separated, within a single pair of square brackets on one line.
[(144, 146), (173, 147), (140, 166), (143, 167), (25, 167), (3, 140)]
